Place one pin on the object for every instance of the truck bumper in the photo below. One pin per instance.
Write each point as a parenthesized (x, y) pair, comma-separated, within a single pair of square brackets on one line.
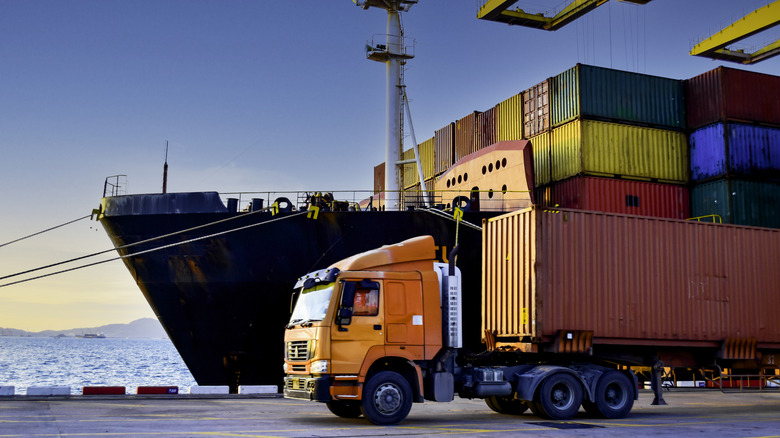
[(307, 388)]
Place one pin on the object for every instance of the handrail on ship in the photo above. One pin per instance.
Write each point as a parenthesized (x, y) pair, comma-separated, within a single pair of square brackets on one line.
[(358, 200)]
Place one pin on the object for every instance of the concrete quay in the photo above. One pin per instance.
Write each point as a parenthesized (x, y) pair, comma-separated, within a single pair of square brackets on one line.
[(696, 412)]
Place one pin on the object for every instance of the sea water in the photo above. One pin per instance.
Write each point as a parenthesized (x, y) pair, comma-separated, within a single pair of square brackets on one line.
[(79, 362)]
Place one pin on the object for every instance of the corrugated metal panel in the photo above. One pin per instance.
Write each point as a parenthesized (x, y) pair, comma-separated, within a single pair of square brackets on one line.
[(541, 151), (602, 93), (485, 128), (410, 176), (465, 135), (536, 110), (444, 148), (613, 149), (618, 196), (379, 178), (738, 202), (427, 156), (510, 119), (629, 278), (730, 94), (735, 149)]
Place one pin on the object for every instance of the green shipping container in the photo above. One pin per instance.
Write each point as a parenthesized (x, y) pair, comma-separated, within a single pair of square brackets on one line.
[(589, 147), (738, 202), (586, 91), (510, 119)]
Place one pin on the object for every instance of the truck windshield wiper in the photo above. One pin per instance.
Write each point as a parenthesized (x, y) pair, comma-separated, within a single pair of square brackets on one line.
[(292, 323)]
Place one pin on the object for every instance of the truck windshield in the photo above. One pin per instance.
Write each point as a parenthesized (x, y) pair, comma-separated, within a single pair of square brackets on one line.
[(312, 304)]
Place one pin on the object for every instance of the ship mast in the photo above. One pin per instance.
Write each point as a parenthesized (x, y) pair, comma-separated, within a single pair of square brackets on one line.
[(394, 55)]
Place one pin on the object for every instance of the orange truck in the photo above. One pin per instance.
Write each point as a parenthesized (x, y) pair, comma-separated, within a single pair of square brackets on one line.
[(567, 307)]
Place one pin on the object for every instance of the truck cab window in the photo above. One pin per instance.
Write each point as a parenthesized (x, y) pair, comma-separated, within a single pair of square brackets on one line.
[(366, 302)]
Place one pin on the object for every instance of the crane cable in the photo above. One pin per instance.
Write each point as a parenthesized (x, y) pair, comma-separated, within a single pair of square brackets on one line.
[(44, 231), (144, 251)]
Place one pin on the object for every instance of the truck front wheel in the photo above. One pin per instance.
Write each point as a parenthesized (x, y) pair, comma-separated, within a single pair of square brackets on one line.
[(345, 409), (506, 405), (614, 396), (559, 397), (387, 398)]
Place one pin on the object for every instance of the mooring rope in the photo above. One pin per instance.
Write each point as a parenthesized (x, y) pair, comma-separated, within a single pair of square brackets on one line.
[(44, 231), (184, 242)]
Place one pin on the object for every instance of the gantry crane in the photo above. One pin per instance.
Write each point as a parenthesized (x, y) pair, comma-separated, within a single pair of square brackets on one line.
[(713, 47), (757, 21)]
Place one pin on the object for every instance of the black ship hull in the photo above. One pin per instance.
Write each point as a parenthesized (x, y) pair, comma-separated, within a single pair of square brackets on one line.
[(222, 291)]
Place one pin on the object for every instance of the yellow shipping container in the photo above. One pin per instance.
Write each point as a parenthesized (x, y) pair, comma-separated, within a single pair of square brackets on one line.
[(510, 118), (589, 147), (540, 145), (411, 176)]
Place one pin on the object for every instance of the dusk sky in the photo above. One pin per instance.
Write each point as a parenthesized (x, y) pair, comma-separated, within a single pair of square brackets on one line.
[(255, 96)]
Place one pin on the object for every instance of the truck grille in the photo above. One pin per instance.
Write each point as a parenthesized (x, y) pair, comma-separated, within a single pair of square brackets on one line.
[(298, 350)]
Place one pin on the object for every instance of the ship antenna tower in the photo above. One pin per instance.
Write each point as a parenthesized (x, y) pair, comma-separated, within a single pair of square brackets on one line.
[(394, 54)]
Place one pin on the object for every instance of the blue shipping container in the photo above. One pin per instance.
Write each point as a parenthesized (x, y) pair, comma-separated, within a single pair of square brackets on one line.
[(735, 149), (738, 202)]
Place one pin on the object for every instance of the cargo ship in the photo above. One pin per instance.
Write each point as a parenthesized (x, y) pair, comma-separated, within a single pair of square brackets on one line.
[(218, 270)]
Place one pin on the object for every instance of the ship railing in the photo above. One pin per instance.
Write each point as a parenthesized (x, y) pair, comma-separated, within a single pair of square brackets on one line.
[(115, 185), (361, 200)]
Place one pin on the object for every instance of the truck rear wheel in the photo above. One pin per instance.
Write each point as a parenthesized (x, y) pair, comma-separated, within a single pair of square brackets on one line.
[(559, 397), (614, 396), (387, 398), (345, 409), (506, 405)]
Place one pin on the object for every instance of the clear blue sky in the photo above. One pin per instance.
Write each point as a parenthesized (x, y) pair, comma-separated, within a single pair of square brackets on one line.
[(254, 96)]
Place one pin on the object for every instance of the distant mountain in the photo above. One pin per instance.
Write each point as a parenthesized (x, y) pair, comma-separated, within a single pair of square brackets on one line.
[(140, 328)]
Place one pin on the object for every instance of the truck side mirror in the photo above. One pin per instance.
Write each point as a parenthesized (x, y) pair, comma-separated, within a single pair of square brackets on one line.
[(344, 315)]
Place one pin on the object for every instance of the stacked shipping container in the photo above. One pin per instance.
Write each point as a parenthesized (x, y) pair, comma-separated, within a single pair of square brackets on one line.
[(597, 132), (734, 116)]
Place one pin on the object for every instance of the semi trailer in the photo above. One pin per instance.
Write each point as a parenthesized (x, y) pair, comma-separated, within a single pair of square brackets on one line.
[(571, 303)]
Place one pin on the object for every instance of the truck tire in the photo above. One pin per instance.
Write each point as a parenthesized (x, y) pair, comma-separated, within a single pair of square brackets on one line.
[(614, 396), (387, 398), (345, 409), (506, 405), (559, 397)]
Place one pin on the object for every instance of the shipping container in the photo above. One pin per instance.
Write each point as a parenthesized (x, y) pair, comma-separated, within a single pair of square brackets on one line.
[(589, 147), (427, 155), (510, 119), (729, 94), (485, 128), (735, 149), (465, 135), (617, 196), (379, 178), (536, 110), (409, 175), (444, 148), (607, 94), (740, 202), (542, 157), (629, 280)]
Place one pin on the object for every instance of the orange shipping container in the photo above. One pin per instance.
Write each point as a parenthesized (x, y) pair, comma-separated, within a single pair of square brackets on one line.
[(630, 280)]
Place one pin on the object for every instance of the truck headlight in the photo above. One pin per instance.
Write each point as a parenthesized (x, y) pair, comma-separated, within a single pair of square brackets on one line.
[(284, 367), (319, 367)]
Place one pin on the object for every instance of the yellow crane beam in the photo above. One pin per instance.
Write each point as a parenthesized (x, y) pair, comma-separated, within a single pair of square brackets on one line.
[(757, 21), (498, 10)]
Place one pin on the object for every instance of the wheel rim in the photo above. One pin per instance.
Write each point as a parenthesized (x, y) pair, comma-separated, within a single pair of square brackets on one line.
[(615, 395), (388, 398), (561, 396)]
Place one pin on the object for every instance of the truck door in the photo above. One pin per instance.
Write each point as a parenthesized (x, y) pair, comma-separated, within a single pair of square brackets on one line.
[(404, 312), (354, 335)]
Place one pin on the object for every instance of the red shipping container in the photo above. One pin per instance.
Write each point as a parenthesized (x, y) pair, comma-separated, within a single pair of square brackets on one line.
[(485, 129), (444, 149), (618, 196), (729, 94), (379, 178), (465, 134)]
